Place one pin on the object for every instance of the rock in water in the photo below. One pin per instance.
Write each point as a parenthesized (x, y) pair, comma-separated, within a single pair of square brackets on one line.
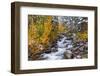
[(68, 54)]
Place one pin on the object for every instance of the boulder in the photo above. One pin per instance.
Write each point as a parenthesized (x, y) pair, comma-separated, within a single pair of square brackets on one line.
[(68, 54)]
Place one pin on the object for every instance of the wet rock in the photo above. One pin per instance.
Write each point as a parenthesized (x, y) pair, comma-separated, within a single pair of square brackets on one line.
[(64, 42), (81, 43), (54, 49), (68, 54), (47, 51), (69, 38), (81, 48), (59, 40)]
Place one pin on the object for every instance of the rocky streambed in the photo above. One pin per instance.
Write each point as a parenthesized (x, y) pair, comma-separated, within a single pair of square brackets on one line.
[(65, 48)]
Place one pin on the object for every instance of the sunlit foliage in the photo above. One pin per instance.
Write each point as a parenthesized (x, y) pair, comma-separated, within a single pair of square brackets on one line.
[(42, 31)]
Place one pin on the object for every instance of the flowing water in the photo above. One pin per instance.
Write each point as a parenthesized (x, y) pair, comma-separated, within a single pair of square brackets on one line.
[(63, 45)]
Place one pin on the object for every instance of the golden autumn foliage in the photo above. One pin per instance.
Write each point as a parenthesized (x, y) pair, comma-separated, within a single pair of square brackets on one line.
[(61, 28), (41, 33), (47, 29), (83, 36)]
